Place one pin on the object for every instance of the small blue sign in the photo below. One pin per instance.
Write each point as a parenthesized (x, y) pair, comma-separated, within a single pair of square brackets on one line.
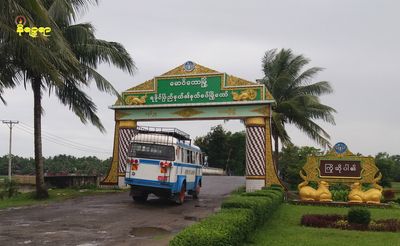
[(340, 147), (188, 66)]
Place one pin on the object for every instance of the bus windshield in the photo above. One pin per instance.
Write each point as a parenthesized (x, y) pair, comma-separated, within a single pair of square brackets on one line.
[(152, 151)]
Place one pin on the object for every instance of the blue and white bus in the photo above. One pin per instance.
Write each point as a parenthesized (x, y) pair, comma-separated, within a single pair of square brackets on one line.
[(162, 161)]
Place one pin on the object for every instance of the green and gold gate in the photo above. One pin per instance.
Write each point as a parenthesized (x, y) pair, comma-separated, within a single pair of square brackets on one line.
[(194, 92)]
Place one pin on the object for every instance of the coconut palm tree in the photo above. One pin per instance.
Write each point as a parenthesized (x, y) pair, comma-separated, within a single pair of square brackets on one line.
[(297, 99), (70, 65)]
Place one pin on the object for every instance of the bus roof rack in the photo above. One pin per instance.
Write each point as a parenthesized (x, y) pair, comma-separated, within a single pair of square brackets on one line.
[(169, 131)]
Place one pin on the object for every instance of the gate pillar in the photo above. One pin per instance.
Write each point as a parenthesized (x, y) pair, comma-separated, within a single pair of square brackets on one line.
[(123, 133), (260, 169), (255, 153)]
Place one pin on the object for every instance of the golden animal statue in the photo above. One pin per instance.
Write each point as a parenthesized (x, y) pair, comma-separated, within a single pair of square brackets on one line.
[(373, 195), (246, 95), (132, 100), (308, 193)]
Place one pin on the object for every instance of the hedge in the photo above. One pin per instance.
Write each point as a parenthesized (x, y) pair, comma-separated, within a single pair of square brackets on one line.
[(239, 216), (228, 227)]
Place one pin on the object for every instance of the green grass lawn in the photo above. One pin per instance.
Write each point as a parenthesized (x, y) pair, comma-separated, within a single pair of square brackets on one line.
[(25, 199), (284, 228), (396, 186)]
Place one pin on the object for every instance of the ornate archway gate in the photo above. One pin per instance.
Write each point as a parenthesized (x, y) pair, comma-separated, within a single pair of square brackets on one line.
[(194, 92)]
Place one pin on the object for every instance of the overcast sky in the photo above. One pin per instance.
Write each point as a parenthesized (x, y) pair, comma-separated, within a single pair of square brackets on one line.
[(357, 42)]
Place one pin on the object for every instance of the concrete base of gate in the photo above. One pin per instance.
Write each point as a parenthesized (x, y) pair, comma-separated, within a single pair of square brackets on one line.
[(254, 184), (121, 182)]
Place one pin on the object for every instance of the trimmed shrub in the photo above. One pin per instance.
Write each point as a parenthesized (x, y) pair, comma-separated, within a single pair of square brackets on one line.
[(340, 195), (321, 220), (359, 216), (261, 206), (228, 227), (275, 196), (240, 214), (273, 187), (392, 225)]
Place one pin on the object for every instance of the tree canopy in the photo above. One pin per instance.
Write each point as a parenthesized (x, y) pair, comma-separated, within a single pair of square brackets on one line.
[(225, 149), (297, 100), (63, 63)]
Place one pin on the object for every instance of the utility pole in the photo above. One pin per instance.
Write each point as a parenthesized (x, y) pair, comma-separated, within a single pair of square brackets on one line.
[(10, 124)]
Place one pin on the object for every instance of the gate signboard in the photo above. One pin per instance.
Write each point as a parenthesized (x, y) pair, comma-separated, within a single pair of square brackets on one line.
[(193, 89), (340, 169), (340, 166)]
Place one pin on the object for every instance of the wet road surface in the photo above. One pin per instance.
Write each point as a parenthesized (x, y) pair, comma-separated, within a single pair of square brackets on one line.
[(111, 219)]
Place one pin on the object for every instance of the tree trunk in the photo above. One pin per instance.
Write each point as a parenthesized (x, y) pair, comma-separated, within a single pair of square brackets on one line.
[(41, 191)]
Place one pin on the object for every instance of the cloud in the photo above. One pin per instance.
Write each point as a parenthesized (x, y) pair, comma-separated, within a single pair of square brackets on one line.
[(356, 41)]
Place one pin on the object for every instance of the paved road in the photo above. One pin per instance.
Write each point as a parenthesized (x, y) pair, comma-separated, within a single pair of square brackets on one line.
[(111, 219)]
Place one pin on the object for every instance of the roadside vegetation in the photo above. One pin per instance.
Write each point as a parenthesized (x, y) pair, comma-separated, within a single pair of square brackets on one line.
[(65, 63), (59, 164), (284, 228), (240, 215)]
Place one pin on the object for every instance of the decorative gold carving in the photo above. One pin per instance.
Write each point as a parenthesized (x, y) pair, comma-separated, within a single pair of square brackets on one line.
[(245, 95), (373, 195), (119, 114), (308, 193), (235, 81), (134, 100), (254, 121), (198, 69), (262, 110), (146, 86), (368, 173), (112, 176), (270, 171), (119, 102), (268, 95), (127, 124), (188, 112), (228, 111)]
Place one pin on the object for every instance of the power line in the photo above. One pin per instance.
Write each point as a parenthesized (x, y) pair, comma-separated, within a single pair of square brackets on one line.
[(25, 130), (64, 144), (10, 124), (67, 141)]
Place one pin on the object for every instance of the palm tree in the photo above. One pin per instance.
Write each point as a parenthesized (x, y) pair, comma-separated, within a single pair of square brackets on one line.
[(297, 99), (73, 56)]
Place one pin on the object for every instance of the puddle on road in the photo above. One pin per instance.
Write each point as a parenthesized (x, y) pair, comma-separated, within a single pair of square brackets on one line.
[(148, 231), (192, 218)]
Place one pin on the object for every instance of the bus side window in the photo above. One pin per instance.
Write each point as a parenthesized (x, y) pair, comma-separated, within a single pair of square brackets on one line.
[(177, 154), (183, 155), (189, 156)]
